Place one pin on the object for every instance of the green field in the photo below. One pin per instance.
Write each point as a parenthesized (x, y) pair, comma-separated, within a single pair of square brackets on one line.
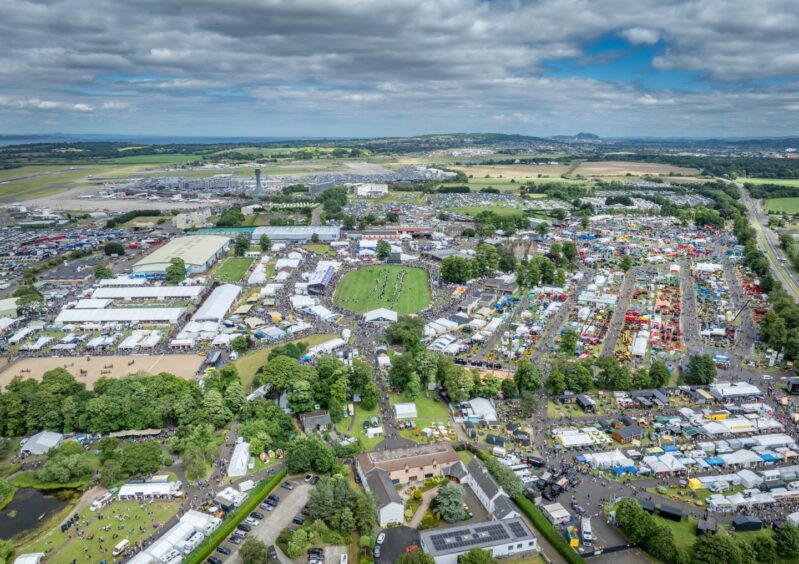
[(402, 289), (320, 249), (174, 158), (778, 181), (249, 364), (357, 431), (505, 211), (28, 182), (131, 515), (232, 270), (787, 205)]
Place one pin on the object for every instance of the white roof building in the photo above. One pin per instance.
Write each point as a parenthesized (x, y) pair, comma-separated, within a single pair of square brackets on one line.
[(147, 292), (239, 460), (41, 442), (121, 315), (380, 315), (405, 410), (217, 305), (29, 558)]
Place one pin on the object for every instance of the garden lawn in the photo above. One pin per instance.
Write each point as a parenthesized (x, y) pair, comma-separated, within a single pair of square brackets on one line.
[(248, 364), (359, 290), (357, 431), (787, 205), (428, 411), (233, 270), (131, 515), (684, 531)]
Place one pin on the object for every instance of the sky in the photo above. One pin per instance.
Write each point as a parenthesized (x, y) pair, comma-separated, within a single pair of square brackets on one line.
[(654, 68)]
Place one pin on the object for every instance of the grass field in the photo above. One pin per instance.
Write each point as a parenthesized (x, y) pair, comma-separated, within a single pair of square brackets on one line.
[(787, 205), (402, 289), (249, 364), (28, 182), (357, 431), (174, 158), (139, 522), (428, 409), (505, 211), (320, 249), (778, 181), (232, 270)]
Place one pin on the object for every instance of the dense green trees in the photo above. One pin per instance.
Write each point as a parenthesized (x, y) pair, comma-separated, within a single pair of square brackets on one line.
[(456, 270), (114, 248), (176, 271), (415, 556), (231, 217), (242, 244), (340, 507), (478, 556), (65, 464), (701, 370), (406, 332), (265, 244), (102, 272), (254, 551), (787, 540), (449, 502), (383, 249), (527, 377), (306, 454)]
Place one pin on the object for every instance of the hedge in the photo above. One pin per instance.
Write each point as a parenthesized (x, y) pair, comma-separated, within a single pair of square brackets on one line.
[(544, 527), (234, 518)]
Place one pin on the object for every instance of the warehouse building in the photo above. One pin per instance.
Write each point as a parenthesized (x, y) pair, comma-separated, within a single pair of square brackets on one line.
[(296, 233), (501, 538), (131, 315), (148, 292), (199, 253)]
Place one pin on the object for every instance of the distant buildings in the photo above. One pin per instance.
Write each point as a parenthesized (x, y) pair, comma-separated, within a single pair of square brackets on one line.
[(295, 233)]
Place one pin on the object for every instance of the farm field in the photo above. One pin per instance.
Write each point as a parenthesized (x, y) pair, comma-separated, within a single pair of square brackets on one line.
[(138, 519), (621, 168), (787, 205), (519, 171), (778, 181), (183, 365), (248, 364), (400, 288), (232, 270)]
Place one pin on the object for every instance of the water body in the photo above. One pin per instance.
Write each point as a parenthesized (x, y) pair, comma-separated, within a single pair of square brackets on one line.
[(22, 514)]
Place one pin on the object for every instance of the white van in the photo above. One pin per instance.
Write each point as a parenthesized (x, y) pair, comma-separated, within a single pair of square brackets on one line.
[(101, 501), (121, 546), (586, 532)]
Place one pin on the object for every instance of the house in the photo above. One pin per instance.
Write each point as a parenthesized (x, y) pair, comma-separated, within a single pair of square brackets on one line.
[(390, 508), (490, 494), (627, 434), (408, 464), (314, 421), (503, 538), (586, 403)]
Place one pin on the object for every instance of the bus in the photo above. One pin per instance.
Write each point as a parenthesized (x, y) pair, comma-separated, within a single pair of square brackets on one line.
[(121, 546), (101, 501), (585, 531)]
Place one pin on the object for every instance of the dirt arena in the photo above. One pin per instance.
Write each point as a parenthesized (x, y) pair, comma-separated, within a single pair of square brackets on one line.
[(620, 168), (183, 365)]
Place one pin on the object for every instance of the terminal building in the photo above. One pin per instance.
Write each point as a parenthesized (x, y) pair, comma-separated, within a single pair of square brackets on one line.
[(199, 253)]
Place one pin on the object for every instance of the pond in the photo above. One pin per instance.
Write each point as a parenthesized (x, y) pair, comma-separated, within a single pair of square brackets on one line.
[(29, 509)]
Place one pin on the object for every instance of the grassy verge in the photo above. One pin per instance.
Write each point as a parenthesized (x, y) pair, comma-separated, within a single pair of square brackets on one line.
[(234, 518), (547, 530)]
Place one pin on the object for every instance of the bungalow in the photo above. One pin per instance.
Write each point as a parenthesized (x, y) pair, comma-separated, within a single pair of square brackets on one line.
[(315, 421)]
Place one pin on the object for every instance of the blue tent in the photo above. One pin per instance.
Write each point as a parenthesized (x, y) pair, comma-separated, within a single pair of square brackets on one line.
[(580, 458), (670, 448), (769, 457), (714, 461)]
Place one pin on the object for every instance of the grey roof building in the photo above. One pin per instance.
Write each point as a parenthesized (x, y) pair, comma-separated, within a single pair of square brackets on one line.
[(298, 233), (389, 505), (314, 421), (501, 538), (42, 442)]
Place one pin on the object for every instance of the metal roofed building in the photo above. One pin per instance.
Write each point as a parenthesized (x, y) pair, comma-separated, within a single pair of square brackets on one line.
[(121, 315), (199, 252), (217, 305), (501, 538), (147, 292), (297, 233), (42, 442)]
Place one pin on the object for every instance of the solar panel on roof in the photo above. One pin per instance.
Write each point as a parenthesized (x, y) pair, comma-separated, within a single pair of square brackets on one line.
[(483, 534), (517, 529)]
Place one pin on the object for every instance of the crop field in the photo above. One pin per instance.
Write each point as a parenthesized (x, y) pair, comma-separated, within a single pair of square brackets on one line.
[(786, 205), (89, 369), (402, 289), (232, 270), (778, 181), (131, 520), (620, 168)]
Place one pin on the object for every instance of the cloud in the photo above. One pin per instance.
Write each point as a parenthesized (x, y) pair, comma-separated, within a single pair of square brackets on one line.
[(337, 67)]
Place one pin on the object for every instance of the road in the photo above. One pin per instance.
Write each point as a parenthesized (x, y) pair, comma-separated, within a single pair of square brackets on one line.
[(765, 242)]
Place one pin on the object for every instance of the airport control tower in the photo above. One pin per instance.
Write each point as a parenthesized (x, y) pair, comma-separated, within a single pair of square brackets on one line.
[(259, 190)]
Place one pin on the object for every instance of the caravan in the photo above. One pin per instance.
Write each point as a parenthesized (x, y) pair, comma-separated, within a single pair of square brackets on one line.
[(586, 532)]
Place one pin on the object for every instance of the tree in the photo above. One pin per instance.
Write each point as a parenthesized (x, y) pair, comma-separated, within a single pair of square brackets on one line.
[(626, 263), (296, 546), (392, 217), (176, 271), (787, 540), (486, 259), (314, 238), (110, 473), (301, 397), (658, 374), (710, 549), (235, 397), (102, 272), (568, 343), (413, 386), (114, 248), (458, 383), (449, 502), (242, 244), (240, 344), (660, 543), (701, 370), (29, 305), (765, 549), (407, 332), (773, 330), (383, 249), (6, 551), (265, 244), (310, 453), (456, 270), (636, 523), (478, 556), (509, 389), (214, 410), (527, 377), (415, 556), (569, 250), (253, 551), (141, 459), (370, 396)]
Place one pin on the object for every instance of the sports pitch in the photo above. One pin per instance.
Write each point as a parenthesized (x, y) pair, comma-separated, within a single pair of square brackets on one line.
[(403, 289)]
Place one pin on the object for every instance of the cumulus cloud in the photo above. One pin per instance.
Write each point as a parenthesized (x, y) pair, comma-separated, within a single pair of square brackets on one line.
[(393, 66)]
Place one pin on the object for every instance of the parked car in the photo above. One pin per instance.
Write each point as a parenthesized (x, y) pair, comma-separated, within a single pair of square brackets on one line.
[(287, 485), (214, 560), (298, 520), (244, 527), (314, 480), (272, 552), (251, 522), (222, 549), (267, 506), (256, 515), (235, 540), (380, 538), (308, 477)]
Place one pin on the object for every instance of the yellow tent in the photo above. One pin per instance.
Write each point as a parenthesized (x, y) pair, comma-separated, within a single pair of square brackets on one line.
[(694, 484)]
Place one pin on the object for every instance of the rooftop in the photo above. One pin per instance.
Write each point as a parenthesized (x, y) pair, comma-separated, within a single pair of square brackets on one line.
[(466, 537)]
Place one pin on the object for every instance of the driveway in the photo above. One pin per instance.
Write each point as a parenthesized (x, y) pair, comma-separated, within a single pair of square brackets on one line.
[(291, 504), (397, 540)]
